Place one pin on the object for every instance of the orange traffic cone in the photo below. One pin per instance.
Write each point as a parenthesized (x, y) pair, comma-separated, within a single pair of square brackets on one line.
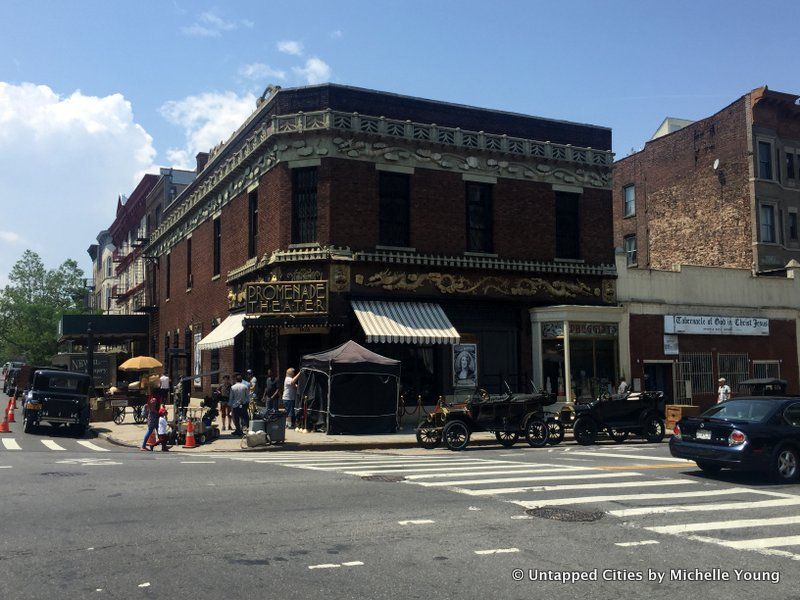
[(190, 442), (11, 418), (4, 428), (152, 441)]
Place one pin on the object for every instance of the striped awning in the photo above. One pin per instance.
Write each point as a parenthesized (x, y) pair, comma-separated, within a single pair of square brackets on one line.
[(224, 334), (405, 322)]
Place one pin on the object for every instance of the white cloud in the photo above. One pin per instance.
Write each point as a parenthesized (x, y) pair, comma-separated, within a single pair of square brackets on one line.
[(207, 119), (336, 35), (65, 159), (260, 71), (291, 47), (314, 71), (210, 24)]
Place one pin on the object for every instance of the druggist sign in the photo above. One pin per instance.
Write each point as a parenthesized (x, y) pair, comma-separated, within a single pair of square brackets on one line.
[(715, 325)]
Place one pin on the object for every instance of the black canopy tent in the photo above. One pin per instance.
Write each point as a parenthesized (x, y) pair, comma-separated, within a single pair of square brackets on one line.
[(349, 389)]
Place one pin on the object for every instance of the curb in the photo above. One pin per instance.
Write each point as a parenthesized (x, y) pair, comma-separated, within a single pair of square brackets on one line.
[(111, 439)]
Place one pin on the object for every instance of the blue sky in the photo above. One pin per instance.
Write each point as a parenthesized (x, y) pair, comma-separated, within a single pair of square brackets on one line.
[(122, 88)]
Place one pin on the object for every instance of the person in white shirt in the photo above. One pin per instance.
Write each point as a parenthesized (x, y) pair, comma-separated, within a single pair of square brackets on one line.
[(623, 387), (162, 429), (723, 391), (163, 388)]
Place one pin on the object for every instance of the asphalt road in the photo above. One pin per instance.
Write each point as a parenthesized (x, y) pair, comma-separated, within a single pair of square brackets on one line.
[(118, 523)]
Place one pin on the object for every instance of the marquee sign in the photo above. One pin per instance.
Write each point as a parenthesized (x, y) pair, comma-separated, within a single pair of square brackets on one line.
[(287, 298), (715, 325)]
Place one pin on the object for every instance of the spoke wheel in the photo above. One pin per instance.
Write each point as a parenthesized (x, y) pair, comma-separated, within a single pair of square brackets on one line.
[(119, 416), (585, 431), (555, 431), (536, 433), (786, 465), (507, 438), (429, 437), (654, 430), (456, 435), (139, 415), (617, 435)]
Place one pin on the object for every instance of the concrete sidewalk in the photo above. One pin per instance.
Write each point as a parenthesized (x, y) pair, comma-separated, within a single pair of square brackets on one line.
[(130, 434)]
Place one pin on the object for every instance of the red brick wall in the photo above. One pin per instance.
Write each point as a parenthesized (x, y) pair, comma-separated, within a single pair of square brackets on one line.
[(685, 211)]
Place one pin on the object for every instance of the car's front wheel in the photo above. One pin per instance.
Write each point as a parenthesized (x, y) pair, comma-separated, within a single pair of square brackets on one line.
[(585, 431), (456, 435), (654, 430), (786, 465), (28, 424)]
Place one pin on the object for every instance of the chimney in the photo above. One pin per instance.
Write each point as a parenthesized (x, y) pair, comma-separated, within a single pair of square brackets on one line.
[(202, 159)]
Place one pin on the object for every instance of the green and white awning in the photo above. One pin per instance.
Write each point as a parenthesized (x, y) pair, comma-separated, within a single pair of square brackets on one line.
[(404, 322)]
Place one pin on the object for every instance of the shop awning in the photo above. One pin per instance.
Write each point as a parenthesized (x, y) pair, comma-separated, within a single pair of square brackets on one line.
[(224, 334), (405, 322)]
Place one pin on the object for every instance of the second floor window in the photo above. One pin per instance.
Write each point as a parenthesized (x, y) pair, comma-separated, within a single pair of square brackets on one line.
[(568, 231), (189, 263), (252, 223), (793, 226), (764, 160), (629, 192), (767, 215), (790, 165), (304, 205), (168, 276), (630, 250), (217, 246), (479, 218), (393, 209)]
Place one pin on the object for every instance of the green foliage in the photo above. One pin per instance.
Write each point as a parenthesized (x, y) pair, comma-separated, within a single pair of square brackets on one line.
[(32, 304)]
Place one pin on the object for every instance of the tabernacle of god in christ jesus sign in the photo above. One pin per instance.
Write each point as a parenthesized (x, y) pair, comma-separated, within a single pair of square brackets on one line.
[(287, 298)]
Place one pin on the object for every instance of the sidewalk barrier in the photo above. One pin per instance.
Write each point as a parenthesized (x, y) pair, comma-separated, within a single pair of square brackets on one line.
[(10, 411), (190, 441), (4, 428)]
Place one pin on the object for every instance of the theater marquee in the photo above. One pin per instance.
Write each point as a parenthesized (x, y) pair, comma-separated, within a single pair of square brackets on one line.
[(287, 298)]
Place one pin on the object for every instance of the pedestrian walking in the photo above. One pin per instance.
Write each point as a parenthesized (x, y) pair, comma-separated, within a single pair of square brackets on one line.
[(270, 397), (162, 428), (152, 407), (290, 395), (224, 397), (723, 391), (239, 398)]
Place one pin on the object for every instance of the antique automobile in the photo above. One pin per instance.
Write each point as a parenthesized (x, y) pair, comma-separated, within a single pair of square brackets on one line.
[(759, 434), (638, 413), (507, 415), (58, 398), (764, 386)]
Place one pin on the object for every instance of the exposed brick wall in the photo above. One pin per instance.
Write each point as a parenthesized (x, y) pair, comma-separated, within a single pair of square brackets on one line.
[(685, 211)]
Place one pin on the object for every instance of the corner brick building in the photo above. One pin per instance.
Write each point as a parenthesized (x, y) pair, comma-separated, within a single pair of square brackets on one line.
[(705, 217), (420, 229)]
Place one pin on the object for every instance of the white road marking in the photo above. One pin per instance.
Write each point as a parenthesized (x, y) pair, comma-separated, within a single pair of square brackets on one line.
[(773, 542), (522, 518), (514, 479), (394, 465), (92, 446), (642, 543), (614, 498), (52, 445), (146, 584), (5, 466), (577, 486), (416, 522), (660, 510), (325, 566), (463, 471), (637, 457), (11, 444), (198, 462), (473, 508), (353, 563), (498, 551), (717, 525)]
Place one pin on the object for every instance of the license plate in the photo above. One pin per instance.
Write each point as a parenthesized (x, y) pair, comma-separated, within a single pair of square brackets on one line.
[(32, 406), (702, 434)]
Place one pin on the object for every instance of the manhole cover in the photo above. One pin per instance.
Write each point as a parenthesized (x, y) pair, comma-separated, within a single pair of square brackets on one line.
[(61, 474), (386, 478), (564, 514)]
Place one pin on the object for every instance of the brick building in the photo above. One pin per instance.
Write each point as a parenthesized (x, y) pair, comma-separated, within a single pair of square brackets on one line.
[(720, 195), (430, 232)]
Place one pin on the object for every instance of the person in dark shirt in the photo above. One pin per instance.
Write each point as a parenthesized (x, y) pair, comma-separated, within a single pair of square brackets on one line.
[(270, 391)]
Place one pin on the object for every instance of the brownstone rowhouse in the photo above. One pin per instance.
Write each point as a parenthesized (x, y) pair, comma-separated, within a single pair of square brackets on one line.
[(425, 230)]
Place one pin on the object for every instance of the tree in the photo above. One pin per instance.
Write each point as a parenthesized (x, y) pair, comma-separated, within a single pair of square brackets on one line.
[(32, 304)]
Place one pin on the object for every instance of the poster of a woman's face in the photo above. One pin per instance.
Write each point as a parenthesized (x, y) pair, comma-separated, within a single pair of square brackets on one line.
[(465, 365)]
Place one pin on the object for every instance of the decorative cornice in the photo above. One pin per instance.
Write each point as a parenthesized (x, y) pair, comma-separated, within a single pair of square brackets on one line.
[(463, 150)]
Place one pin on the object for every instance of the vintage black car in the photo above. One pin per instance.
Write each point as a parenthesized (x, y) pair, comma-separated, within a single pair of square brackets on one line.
[(9, 383), (638, 413), (765, 386), (57, 398), (754, 434), (507, 415)]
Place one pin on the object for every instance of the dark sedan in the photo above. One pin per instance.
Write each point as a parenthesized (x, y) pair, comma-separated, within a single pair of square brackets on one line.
[(753, 434)]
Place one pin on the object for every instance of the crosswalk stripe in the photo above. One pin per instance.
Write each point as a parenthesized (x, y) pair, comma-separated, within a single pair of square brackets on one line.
[(633, 457), (439, 474), (660, 510), (11, 444), (458, 470), (514, 479), (52, 445), (339, 466), (578, 486), (773, 542), (593, 499), (92, 446), (718, 525)]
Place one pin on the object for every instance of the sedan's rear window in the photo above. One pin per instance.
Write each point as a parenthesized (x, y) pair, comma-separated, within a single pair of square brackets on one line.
[(753, 411)]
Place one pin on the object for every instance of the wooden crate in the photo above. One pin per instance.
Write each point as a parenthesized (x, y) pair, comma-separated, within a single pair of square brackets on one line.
[(674, 413)]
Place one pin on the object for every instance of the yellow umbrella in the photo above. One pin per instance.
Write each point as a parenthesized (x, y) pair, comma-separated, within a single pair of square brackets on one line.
[(140, 363)]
